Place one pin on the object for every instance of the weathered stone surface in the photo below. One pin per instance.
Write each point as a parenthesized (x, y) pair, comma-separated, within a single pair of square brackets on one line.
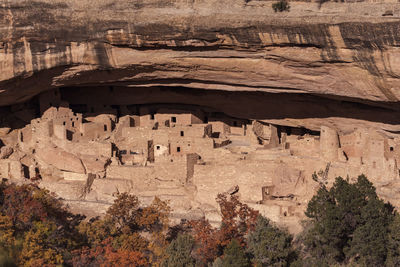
[(342, 49), (4, 131), (5, 152), (94, 164), (61, 159)]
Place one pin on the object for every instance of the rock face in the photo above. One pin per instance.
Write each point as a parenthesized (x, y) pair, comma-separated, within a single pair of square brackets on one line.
[(335, 65), (346, 50)]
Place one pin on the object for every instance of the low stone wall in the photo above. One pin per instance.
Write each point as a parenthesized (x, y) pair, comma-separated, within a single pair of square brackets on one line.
[(134, 173), (72, 176)]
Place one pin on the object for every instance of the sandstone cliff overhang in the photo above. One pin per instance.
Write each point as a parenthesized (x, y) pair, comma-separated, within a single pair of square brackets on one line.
[(345, 51)]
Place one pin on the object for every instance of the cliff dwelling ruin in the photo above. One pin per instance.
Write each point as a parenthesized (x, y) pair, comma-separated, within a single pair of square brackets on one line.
[(187, 99), (89, 143)]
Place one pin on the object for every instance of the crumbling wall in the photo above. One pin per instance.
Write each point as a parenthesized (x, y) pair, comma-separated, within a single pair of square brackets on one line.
[(11, 169), (107, 120), (220, 127), (126, 122), (25, 135), (41, 130), (178, 117), (262, 130), (191, 160), (303, 145), (193, 131)]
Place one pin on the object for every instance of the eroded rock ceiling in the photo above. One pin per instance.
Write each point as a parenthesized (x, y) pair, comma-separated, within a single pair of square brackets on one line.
[(322, 65)]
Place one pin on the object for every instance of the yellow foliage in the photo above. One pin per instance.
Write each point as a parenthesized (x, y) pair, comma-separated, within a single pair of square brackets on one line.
[(35, 251), (98, 230), (131, 242), (155, 219), (8, 243), (6, 231)]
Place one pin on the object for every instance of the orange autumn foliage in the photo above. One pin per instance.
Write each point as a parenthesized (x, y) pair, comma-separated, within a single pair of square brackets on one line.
[(237, 220), (106, 256), (207, 238), (129, 235)]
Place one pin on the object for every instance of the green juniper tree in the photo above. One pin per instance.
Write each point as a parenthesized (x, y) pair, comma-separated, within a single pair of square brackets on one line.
[(269, 245), (393, 256), (234, 256), (348, 223), (179, 252)]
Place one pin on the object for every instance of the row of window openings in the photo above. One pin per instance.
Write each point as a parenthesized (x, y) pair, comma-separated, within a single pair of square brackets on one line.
[(178, 149), (173, 119), (73, 124), (124, 152)]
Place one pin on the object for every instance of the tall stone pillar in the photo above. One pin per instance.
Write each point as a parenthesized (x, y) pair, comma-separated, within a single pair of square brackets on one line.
[(329, 144), (274, 139)]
